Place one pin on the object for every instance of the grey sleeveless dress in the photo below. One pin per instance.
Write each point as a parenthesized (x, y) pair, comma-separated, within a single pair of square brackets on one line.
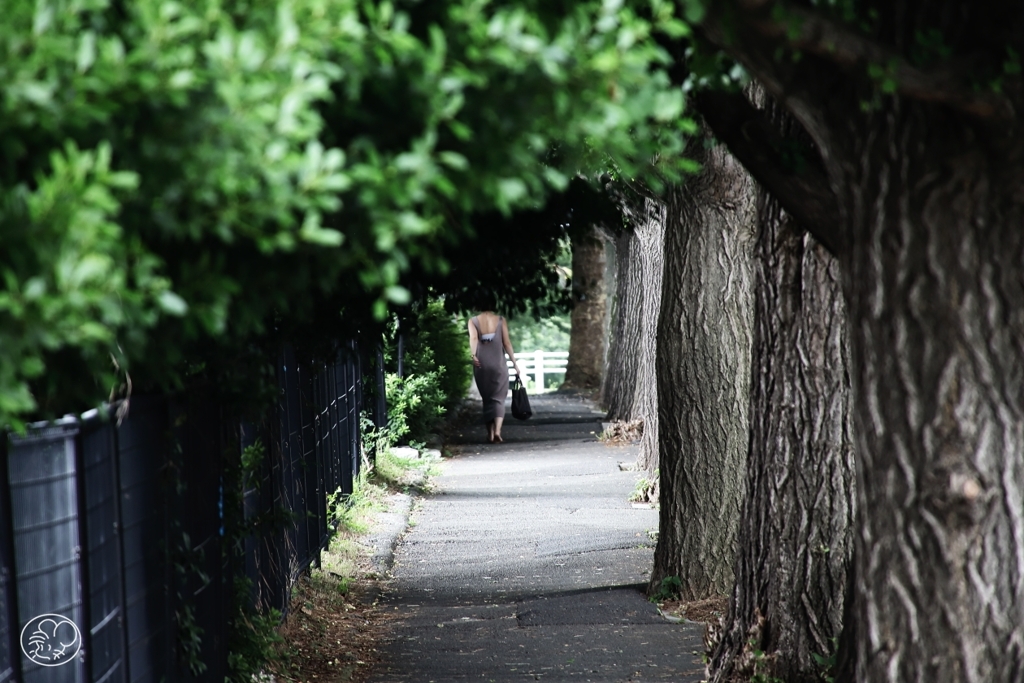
[(492, 375)]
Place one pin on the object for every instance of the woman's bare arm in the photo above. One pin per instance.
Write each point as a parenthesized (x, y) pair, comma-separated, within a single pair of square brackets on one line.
[(508, 345), (474, 341)]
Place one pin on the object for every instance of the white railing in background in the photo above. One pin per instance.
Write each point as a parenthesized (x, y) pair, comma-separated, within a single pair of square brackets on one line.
[(536, 364)]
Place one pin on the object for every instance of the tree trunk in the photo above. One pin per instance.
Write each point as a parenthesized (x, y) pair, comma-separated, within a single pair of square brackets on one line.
[(624, 340), (585, 367), (796, 529), (929, 186), (630, 391), (935, 288), (650, 248), (703, 373)]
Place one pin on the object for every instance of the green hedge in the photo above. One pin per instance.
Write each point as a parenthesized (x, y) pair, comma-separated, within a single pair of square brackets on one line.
[(436, 374)]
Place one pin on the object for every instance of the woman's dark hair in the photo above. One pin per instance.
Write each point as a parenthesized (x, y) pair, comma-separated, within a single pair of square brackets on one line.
[(485, 300)]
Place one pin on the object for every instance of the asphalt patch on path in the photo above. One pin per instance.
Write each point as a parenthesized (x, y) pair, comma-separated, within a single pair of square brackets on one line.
[(619, 605)]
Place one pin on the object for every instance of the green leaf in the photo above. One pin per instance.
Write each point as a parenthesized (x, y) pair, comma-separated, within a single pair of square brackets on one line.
[(668, 105), (182, 79), (511, 190), (313, 233), (171, 303), (453, 160), (86, 52), (398, 295)]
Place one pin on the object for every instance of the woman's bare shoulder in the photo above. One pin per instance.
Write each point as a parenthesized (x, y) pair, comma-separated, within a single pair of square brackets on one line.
[(488, 322)]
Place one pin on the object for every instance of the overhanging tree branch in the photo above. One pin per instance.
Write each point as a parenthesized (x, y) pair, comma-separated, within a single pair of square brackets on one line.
[(800, 185), (803, 87), (807, 30)]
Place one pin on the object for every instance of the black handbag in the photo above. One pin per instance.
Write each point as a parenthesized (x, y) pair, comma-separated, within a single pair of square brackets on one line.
[(520, 401)]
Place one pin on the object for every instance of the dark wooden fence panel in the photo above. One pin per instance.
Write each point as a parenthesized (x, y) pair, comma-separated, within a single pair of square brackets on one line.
[(9, 649), (106, 636), (146, 487), (197, 531), (119, 528), (47, 548)]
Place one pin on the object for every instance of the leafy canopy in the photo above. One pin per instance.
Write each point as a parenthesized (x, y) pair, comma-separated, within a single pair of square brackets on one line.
[(174, 172)]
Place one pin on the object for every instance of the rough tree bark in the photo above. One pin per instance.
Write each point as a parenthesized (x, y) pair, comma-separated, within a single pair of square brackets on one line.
[(703, 378), (629, 391), (796, 529), (624, 340), (935, 288), (585, 368), (928, 175)]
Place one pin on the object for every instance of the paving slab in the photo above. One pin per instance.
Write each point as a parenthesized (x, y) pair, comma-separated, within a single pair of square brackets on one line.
[(527, 562)]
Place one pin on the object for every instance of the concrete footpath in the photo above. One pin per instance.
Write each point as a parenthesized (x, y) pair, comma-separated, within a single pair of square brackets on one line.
[(527, 563)]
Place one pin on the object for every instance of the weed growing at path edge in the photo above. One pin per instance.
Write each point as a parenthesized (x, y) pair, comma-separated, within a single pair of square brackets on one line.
[(334, 627)]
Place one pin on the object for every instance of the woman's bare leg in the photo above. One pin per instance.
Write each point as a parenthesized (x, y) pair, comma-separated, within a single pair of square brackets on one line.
[(490, 431), (497, 427)]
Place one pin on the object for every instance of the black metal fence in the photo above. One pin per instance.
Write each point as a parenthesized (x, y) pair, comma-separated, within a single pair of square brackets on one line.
[(117, 562)]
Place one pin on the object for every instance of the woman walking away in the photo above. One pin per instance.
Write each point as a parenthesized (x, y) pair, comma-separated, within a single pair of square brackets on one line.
[(488, 343)]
